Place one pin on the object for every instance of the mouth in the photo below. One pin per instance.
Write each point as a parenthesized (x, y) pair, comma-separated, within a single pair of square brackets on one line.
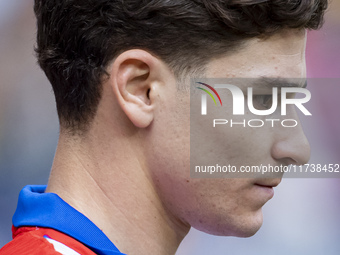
[(268, 183), (266, 186)]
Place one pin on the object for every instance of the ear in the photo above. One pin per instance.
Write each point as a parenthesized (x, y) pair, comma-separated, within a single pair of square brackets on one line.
[(134, 78)]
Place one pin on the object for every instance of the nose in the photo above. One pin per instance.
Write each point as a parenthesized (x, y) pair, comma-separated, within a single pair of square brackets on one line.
[(291, 145)]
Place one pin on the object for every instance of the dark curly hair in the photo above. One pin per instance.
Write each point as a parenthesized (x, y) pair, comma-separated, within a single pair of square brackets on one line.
[(77, 39)]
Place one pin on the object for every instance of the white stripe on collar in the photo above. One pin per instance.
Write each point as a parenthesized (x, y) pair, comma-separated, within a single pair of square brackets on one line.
[(61, 248)]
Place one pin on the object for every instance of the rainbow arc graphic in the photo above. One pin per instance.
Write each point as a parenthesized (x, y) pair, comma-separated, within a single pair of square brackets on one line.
[(209, 93)]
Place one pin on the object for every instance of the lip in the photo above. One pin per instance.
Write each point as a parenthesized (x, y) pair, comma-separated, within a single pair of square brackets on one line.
[(267, 190), (266, 186), (268, 183)]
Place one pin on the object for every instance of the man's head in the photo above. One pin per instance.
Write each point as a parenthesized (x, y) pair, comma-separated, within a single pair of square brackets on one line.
[(78, 40), (118, 68)]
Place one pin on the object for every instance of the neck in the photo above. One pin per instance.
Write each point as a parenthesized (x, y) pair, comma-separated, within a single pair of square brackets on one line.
[(131, 214)]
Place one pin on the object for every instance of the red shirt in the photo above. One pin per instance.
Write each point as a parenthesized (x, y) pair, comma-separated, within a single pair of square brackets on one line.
[(37, 241)]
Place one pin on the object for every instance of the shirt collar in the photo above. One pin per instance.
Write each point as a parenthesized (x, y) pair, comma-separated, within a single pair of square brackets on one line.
[(36, 208)]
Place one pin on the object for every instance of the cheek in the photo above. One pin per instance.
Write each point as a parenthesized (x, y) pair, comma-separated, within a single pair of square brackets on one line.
[(231, 141), (216, 206), (231, 146)]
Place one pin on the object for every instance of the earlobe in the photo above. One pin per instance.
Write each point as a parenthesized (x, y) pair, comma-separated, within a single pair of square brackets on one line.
[(132, 81)]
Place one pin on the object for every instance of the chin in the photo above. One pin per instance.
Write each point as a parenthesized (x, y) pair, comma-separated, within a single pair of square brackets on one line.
[(248, 232), (239, 226)]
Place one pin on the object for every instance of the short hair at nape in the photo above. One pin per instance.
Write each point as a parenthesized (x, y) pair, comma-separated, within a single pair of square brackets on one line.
[(76, 40)]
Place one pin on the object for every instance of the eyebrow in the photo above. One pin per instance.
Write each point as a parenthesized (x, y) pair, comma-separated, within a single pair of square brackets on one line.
[(269, 82)]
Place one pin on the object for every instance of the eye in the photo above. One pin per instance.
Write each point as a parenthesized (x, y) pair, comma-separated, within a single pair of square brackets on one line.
[(265, 101)]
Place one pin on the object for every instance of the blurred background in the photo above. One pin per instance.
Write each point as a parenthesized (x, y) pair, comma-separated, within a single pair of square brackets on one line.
[(302, 218)]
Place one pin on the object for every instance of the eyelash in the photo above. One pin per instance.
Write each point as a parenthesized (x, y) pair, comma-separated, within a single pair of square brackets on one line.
[(265, 101)]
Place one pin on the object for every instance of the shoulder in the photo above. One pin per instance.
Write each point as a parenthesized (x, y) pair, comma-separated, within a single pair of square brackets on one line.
[(29, 242), (34, 241)]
